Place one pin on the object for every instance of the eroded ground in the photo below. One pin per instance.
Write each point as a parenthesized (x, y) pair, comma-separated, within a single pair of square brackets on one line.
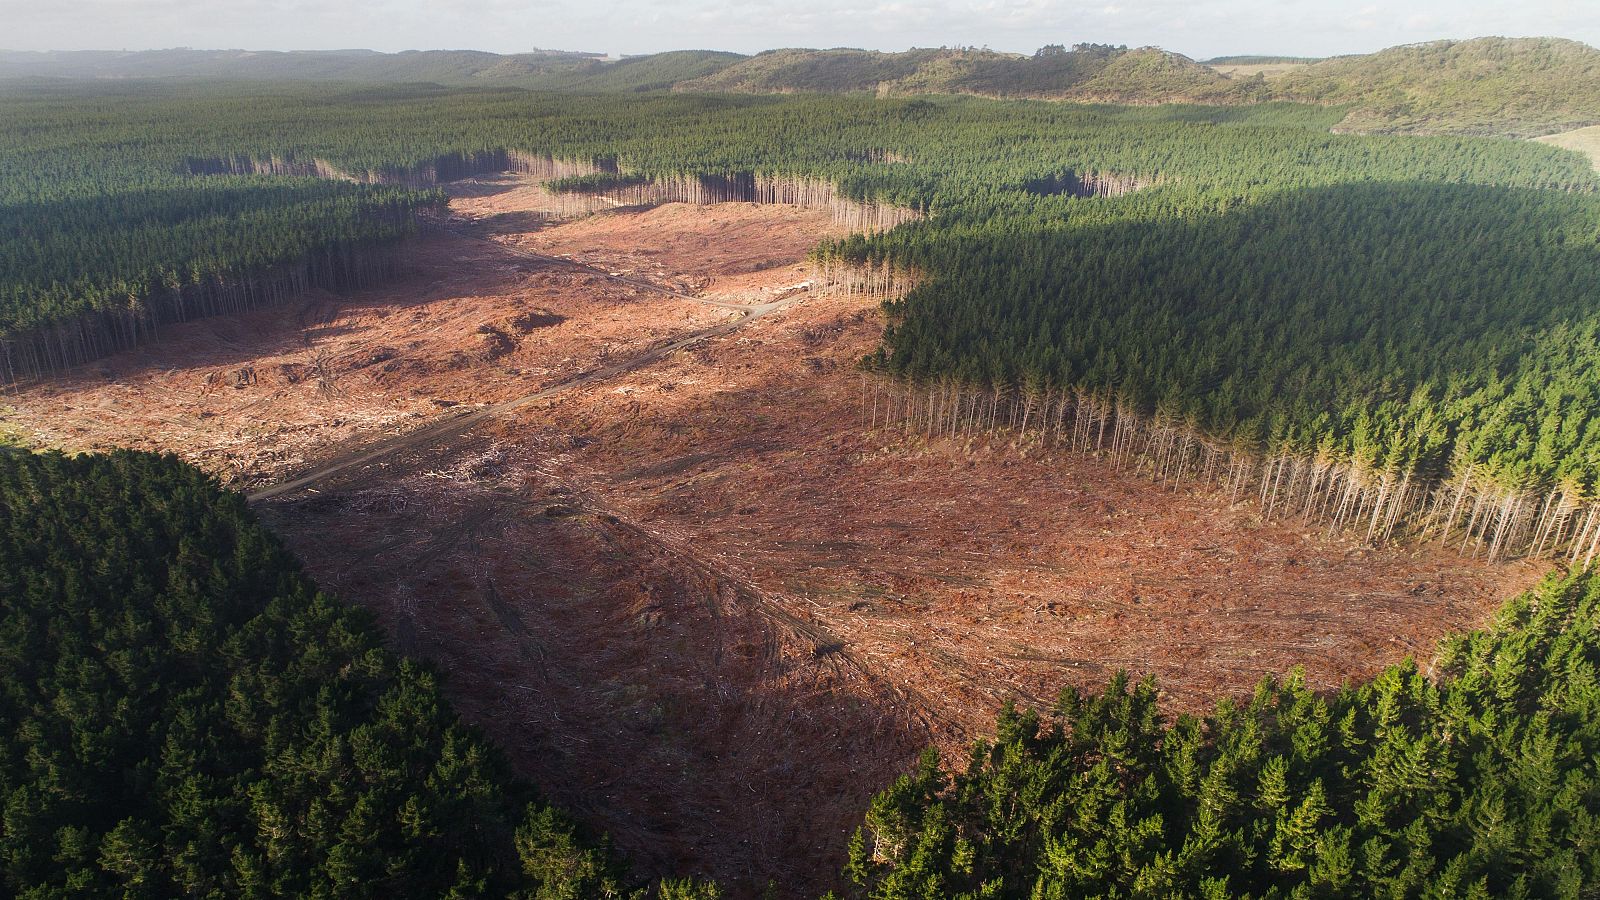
[(695, 599)]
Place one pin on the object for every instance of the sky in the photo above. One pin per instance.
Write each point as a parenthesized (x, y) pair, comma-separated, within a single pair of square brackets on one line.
[(1199, 28)]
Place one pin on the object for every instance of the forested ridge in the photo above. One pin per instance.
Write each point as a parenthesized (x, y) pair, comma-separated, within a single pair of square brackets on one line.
[(1086, 72), (1474, 777), (1488, 85)]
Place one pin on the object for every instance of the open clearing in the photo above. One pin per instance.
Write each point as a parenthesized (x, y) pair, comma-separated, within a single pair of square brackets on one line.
[(1583, 140), (687, 591)]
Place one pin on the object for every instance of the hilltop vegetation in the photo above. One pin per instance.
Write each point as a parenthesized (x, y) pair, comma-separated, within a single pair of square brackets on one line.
[(1516, 86), (185, 715), (656, 72), (1521, 86), (1086, 72)]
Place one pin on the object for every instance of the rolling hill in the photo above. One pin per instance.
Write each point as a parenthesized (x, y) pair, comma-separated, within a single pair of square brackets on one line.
[(1519, 86), (539, 69), (1094, 73), (1522, 87)]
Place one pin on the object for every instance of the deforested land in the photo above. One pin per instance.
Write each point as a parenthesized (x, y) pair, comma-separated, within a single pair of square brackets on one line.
[(935, 474)]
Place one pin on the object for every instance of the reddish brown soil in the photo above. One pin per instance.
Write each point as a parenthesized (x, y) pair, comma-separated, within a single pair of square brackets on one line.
[(984, 572), (697, 602), (470, 324)]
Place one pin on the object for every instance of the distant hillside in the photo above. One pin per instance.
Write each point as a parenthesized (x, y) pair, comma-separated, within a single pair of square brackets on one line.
[(1518, 86), (449, 66), (1259, 60), (543, 69), (1086, 72), (659, 71)]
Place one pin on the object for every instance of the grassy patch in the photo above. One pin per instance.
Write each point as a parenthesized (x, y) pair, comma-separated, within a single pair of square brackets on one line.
[(1583, 140)]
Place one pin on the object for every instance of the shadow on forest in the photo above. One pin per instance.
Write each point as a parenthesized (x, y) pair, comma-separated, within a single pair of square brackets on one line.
[(231, 341), (1351, 310)]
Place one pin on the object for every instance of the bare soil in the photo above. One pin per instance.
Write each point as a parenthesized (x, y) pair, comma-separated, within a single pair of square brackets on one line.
[(697, 601)]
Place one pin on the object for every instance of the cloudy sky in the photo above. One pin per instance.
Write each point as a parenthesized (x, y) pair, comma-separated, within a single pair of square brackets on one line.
[(1200, 28)]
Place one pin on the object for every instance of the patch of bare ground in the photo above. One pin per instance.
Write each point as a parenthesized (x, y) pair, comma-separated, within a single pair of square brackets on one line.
[(984, 572), (655, 695), (473, 322), (696, 601)]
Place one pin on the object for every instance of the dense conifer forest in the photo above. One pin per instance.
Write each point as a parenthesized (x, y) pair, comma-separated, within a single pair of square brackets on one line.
[(1472, 778), (182, 713)]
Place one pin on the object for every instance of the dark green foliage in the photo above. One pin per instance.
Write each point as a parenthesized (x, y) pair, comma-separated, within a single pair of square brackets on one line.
[(146, 246), (1479, 782), (597, 182), (1404, 325), (182, 714)]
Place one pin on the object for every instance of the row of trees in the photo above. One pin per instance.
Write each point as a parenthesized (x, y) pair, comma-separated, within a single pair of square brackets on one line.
[(745, 187), (87, 277), (1441, 331), (183, 714), (880, 280), (127, 315), (1478, 781), (1468, 510)]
